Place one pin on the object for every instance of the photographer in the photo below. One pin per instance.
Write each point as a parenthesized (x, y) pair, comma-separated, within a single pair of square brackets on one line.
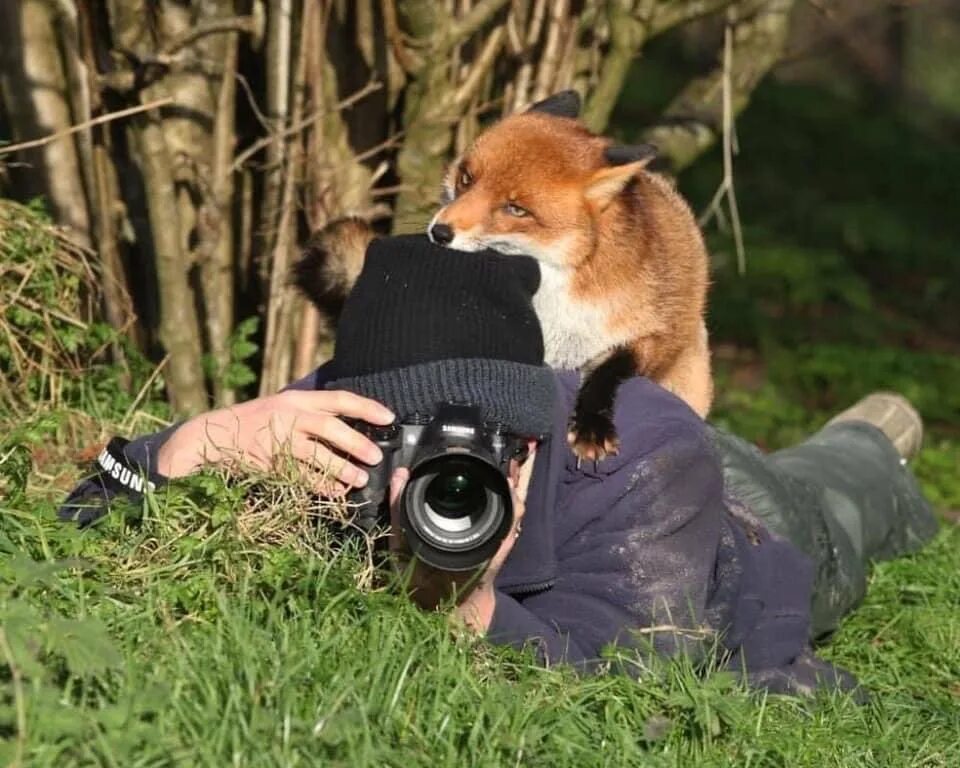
[(686, 541)]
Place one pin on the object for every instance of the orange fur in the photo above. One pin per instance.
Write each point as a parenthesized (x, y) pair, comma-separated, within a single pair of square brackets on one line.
[(620, 249)]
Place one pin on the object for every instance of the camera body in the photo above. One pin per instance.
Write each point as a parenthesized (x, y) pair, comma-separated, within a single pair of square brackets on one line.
[(456, 507)]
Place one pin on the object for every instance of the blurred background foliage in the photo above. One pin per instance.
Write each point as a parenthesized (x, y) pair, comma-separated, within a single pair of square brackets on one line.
[(848, 181)]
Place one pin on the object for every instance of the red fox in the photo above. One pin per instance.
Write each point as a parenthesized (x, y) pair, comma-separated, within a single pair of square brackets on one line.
[(624, 269)]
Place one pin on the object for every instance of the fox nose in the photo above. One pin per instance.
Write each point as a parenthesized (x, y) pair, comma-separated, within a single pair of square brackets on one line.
[(441, 233)]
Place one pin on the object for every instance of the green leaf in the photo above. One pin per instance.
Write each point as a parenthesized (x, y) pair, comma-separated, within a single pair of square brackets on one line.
[(22, 624), (27, 572), (85, 644)]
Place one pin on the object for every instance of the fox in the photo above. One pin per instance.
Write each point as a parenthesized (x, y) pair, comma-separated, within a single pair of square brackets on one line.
[(624, 267)]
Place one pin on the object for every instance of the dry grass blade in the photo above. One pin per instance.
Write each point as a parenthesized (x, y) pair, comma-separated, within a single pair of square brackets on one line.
[(51, 293), (281, 508)]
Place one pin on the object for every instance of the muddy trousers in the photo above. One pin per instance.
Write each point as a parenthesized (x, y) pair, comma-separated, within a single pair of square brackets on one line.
[(843, 497)]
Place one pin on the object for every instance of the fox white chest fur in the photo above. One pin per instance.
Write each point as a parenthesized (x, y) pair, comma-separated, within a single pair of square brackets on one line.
[(574, 332)]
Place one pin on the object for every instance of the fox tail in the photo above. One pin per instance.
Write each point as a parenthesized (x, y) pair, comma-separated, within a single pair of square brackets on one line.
[(331, 262)]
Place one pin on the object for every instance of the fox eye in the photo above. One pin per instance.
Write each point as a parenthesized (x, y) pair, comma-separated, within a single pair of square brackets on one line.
[(464, 179), (515, 210)]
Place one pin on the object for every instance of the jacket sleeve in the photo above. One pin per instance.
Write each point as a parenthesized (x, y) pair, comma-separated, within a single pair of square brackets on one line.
[(637, 554), (89, 500)]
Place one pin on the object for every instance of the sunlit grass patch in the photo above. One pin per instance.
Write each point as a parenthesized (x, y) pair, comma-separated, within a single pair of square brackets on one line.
[(177, 632)]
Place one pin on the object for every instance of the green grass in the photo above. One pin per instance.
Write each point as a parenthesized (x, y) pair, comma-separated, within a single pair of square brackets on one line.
[(215, 626), (172, 635)]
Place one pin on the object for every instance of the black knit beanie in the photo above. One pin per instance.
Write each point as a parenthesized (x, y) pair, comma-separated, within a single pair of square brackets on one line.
[(426, 324)]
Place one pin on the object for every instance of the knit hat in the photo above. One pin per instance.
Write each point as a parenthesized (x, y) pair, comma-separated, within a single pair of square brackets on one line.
[(426, 324)]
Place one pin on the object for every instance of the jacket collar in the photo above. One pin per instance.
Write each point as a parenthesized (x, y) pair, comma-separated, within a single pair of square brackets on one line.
[(532, 564)]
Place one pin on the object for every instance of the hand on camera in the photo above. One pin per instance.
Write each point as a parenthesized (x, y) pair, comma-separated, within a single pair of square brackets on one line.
[(304, 425)]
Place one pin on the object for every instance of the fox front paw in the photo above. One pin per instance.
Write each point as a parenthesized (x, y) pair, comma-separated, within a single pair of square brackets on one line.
[(593, 437)]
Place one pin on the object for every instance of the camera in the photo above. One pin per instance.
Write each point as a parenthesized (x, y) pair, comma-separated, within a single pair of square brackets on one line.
[(456, 507)]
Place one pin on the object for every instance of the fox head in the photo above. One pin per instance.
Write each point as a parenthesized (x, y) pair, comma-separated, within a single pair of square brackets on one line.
[(536, 183)]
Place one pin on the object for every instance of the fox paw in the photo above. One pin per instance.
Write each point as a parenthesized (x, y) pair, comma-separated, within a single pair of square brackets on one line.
[(593, 437)]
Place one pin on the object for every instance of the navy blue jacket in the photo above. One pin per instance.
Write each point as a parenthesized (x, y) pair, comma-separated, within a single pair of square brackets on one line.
[(641, 549)]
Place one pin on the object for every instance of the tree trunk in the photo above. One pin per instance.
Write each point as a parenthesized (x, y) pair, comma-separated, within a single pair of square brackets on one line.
[(179, 327), (36, 97), (278, 62), (277, 346), (216, 247)]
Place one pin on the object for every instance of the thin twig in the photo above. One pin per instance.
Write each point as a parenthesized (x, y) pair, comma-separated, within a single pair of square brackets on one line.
[(300, 125), (386, 191), (86, 124), (38, 307), (376, 149), (728, 141), (672, 14), (27, 274), (236, 24), (252, 101), (479, 68), (727, 187), (690, 631), (479, 15)]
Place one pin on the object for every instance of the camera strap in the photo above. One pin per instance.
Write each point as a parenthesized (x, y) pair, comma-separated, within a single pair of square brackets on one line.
[(118, 474)]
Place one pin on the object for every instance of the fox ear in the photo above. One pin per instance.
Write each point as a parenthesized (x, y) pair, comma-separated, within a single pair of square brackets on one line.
[(604, 186), (621, 154), (562, 104)]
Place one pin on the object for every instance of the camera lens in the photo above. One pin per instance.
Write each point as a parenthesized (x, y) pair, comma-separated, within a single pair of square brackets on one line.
[(455, 510), (456, 494)]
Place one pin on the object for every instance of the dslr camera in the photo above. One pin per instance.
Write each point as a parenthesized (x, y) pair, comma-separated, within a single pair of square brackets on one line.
[(456, 507)]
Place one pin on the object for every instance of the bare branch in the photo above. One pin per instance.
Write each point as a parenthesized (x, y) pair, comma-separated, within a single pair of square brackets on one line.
[(479, 15), (480, 67), (407, 61), (693, 121), (670, 13), (216, 26), (86, 124), (550, 59), (215, 228), (726, 187), (277, 350), (300, 125), (626, 37), (525, 74)]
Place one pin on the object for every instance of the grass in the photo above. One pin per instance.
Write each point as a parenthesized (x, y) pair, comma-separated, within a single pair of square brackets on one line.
[(169, 636), (196, 630)]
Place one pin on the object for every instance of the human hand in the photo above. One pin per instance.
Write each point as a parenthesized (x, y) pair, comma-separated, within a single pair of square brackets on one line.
[(472, 591), (305, 425)]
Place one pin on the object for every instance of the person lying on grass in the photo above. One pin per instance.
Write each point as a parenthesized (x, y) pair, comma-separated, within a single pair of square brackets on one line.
[(688, 540)]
